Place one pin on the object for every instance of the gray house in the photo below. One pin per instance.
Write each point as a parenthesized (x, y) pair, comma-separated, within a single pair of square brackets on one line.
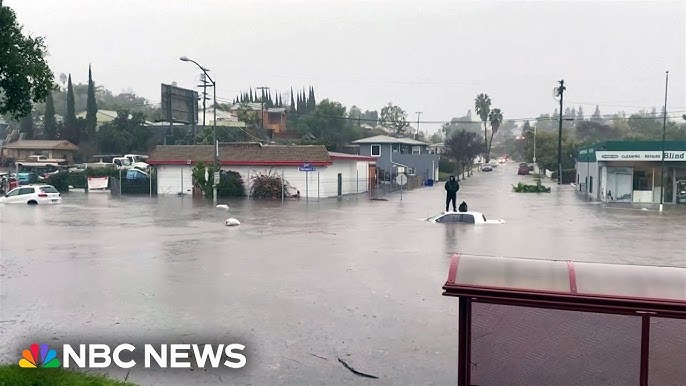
[(391, 152)]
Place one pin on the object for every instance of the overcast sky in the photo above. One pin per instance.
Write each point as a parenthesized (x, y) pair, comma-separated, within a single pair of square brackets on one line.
[(430, 56)]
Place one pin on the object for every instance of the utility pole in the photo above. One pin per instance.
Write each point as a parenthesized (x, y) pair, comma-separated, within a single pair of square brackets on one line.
[(416, 134), (664, 127), (560, 93), (203, 79), (262, 88)]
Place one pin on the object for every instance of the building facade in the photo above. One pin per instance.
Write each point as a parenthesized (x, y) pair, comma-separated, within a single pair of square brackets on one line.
[(334, 174), (633, 172), (390, 153), (60, 151)]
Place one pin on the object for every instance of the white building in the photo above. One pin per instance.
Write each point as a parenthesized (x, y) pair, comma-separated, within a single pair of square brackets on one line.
[(331, 175), (633, 172)]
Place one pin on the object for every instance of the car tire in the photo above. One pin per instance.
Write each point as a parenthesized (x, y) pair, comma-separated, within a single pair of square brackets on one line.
[(32, 202)]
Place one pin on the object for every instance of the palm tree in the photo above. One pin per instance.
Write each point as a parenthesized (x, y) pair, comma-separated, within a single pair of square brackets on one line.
[(482, 105), (496, 118)]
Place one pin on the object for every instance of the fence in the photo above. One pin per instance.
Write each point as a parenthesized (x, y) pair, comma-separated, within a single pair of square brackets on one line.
[(117, 184), (315, 185)]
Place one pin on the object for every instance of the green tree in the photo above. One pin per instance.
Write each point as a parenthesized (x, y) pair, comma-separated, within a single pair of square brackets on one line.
[(247, 115), (49, 121), (482, 105), (25, 77), (125, 134), (91, 107), (597, 117), (463, 147), (496, 118), (27, 127), (436, 138), (355, 116), (394, 117)]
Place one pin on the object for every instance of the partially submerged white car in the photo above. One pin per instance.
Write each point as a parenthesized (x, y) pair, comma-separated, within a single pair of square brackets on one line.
[(463, 217)]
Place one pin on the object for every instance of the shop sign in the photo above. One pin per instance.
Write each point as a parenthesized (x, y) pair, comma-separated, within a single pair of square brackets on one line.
[(640, 155)]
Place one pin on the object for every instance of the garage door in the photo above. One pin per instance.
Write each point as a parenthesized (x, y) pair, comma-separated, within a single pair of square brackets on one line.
[(174, 180)]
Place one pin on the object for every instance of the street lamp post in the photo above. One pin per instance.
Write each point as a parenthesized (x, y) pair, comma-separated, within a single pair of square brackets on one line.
[(214, 122), (664, 127)]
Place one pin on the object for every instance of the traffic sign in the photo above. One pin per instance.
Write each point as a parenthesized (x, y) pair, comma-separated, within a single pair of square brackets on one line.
[(306, 168), (216, 178), (401, 179)]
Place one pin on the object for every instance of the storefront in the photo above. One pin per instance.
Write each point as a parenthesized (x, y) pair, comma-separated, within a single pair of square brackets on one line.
[(632, 171)]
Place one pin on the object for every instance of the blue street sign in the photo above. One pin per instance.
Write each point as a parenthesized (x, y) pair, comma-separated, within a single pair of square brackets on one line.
[(306, 168)]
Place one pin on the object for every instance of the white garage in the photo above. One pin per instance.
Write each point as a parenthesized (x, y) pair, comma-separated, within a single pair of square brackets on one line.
[(174, 179), (332, 174)]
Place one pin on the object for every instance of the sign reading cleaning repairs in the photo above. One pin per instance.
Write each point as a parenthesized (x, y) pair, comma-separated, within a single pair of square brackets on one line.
[(640, 155)]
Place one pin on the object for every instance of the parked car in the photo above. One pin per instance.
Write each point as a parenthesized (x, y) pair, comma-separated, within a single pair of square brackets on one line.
[(486, 168), (523, 170), (32, 195), (463, 217)]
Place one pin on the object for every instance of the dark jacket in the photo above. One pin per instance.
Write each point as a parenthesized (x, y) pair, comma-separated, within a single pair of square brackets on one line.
[(452, 186)]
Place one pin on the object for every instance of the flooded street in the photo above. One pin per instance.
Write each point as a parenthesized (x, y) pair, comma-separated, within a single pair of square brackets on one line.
[(300, 284)]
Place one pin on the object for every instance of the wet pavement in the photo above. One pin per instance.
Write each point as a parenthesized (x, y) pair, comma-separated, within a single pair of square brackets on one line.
[(300, 283)]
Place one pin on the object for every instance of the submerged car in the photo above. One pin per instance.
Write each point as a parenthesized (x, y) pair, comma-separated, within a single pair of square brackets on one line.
[(463, 217), (32, 195), (523, 170), (486, 168)]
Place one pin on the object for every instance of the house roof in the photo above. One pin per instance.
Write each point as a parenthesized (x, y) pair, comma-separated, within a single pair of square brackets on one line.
[(42, 145), (247, 154), (108, 113), (389, 139), (350, 157)]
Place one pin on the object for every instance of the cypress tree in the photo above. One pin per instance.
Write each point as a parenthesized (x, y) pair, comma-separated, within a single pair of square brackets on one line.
[(71, 132), (49, 121), (251, 96), (311, 102), (91, 107), (292, 101)]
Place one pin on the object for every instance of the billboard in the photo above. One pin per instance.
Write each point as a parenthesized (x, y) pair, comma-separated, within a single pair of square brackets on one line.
[(179, 105)]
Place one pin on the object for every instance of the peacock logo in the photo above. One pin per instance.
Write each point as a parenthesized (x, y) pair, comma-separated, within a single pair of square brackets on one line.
[(39, 356)]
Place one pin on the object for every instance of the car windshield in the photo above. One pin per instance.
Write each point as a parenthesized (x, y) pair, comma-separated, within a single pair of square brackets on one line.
[(48, 189)]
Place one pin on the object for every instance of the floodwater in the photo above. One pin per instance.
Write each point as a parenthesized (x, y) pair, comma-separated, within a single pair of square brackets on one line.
[(300, 283)]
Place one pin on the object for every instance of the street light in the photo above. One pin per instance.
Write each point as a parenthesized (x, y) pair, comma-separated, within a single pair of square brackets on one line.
[(664, 128), (214, 123)]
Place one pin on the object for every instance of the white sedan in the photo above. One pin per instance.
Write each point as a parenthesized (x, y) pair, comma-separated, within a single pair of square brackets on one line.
[(463, 217), (32, 195)]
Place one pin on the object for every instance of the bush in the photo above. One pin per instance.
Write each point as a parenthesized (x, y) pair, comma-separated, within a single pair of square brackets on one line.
[(60, 181), (230, 184), (525, 188), (446, 165), (268, 185), (103, 172)]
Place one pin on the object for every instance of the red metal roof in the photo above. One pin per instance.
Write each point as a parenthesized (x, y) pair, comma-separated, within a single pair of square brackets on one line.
[(567, 284)]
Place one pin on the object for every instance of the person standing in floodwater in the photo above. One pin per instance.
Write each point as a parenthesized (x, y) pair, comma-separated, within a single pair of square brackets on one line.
[(451, 188)]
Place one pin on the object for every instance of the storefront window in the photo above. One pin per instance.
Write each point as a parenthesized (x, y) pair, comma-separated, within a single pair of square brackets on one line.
[(643, 180)]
